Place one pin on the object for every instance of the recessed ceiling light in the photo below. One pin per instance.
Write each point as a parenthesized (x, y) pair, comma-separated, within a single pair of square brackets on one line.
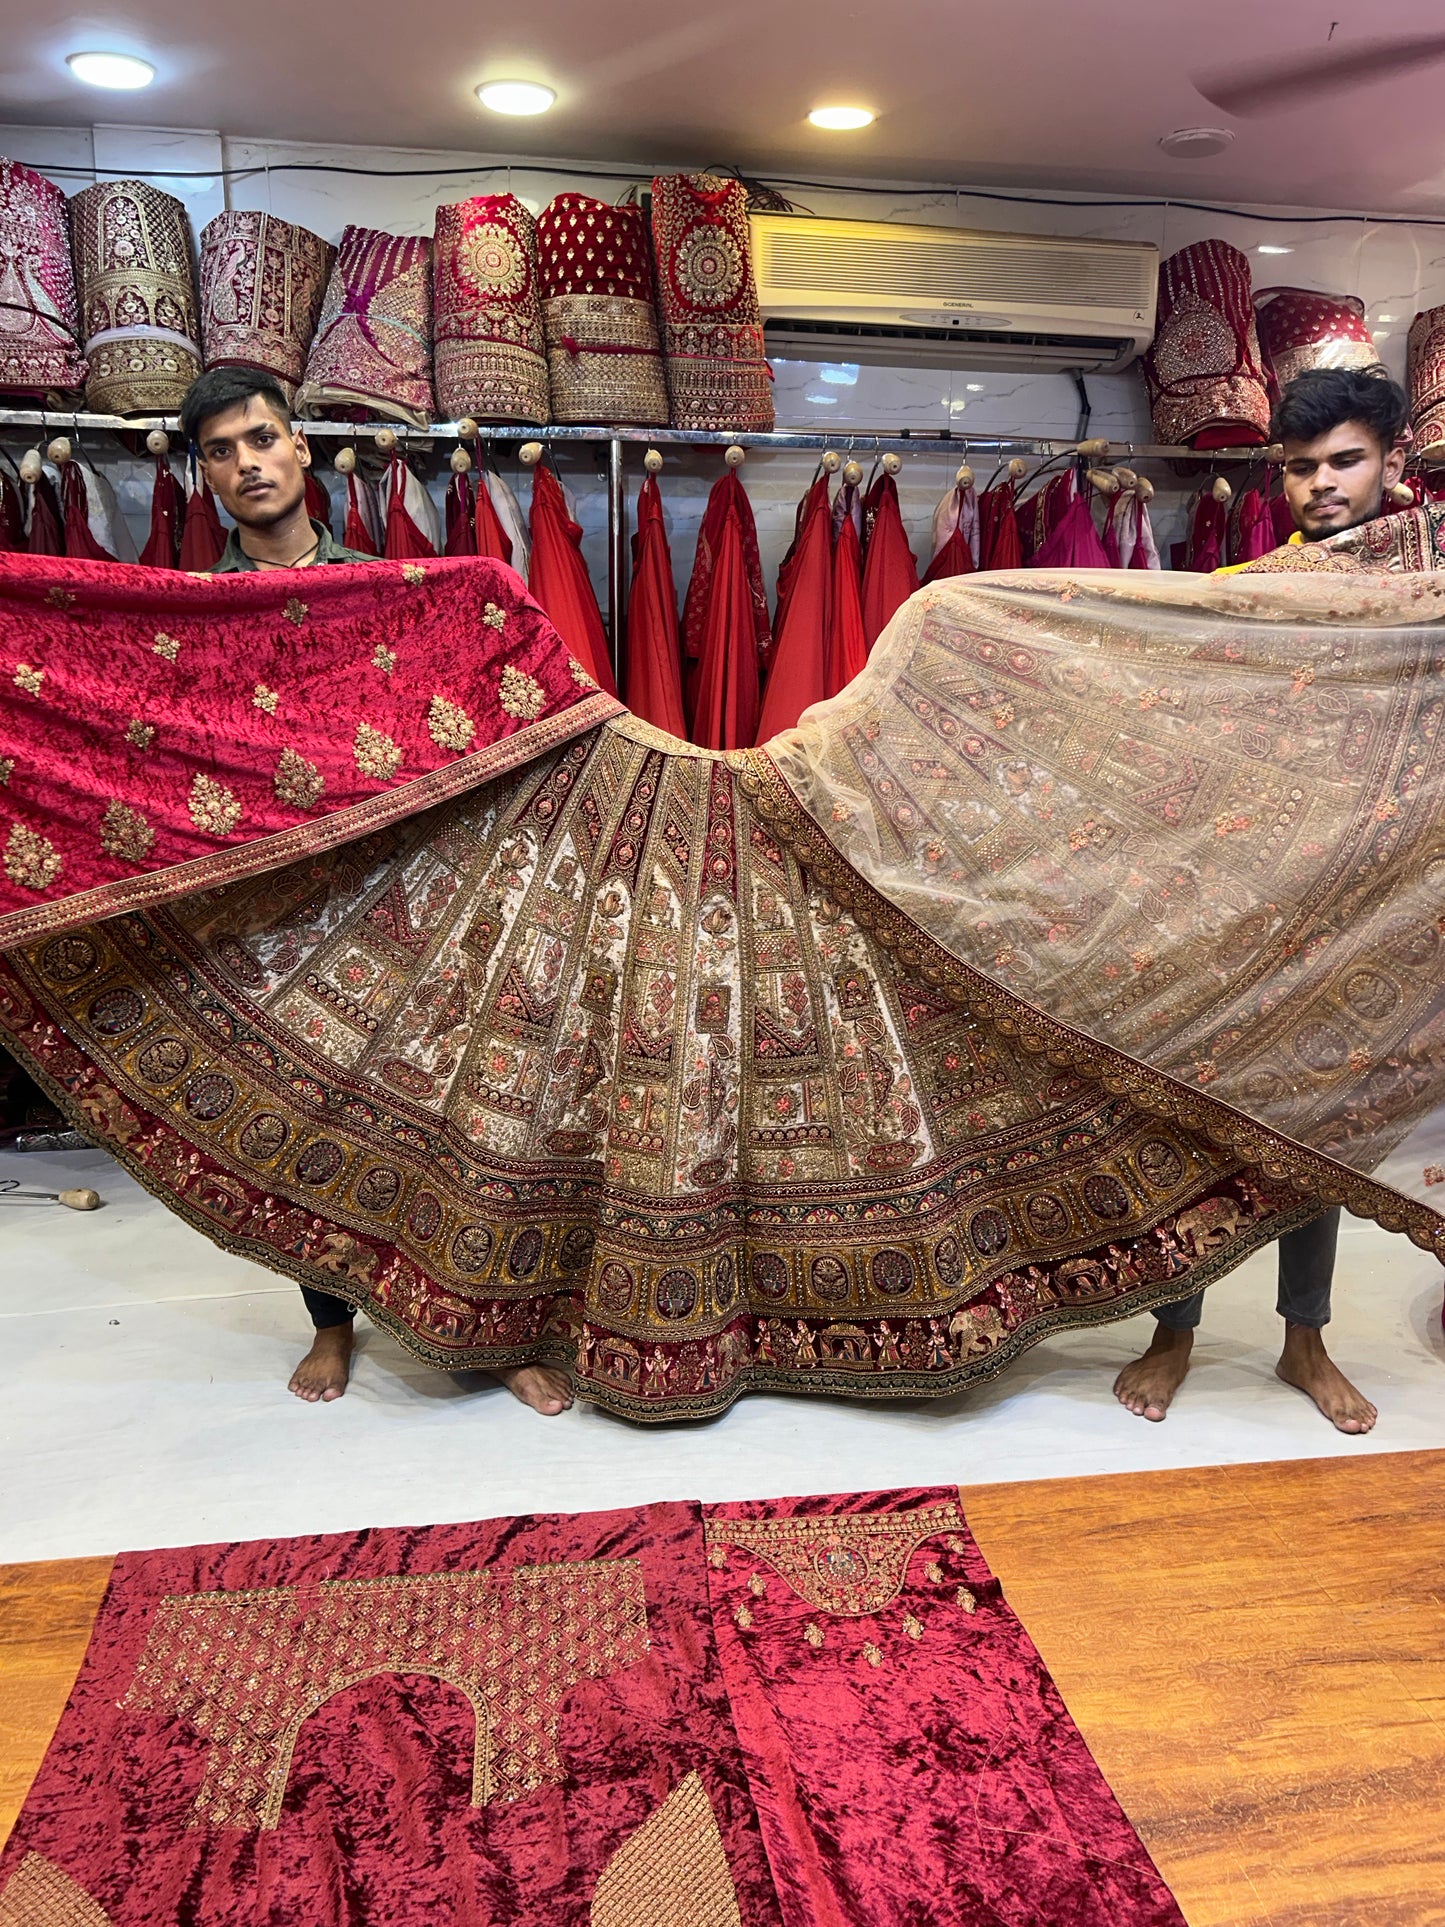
[(111, 70), (974, 387), (1388, 317), (1272, 247), (1195, 143), (840, 120), (515, 96)]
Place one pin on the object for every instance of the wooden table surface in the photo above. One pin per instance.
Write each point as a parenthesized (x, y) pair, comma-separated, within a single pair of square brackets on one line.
[(1255, 1653)]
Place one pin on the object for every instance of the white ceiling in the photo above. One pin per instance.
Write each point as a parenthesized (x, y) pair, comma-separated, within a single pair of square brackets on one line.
[(1058, 93)]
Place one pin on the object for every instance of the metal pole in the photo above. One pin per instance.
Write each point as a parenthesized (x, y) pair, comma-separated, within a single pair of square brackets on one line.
[(616, 553)]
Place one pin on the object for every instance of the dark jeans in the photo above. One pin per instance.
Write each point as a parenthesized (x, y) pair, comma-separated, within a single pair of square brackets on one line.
[(1306, 1272), (325, 1310)]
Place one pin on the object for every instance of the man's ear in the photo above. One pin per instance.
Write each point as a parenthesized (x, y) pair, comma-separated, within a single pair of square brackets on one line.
[(1395, 465), (303, 448)]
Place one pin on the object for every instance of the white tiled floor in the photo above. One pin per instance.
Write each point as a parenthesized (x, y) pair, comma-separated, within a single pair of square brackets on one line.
[(143, 1400)]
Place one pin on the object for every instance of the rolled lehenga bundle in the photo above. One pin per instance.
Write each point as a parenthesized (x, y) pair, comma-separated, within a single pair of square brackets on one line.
[(133, 265), (1204, 371), (40, 350), (371, 354), (1427, 379), (1300, 330), (490, 353), (986, 1003), (717, 372), (599, 314), (262, 285)]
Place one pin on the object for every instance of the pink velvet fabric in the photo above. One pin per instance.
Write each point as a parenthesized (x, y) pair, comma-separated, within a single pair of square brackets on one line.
[(875, 1737)]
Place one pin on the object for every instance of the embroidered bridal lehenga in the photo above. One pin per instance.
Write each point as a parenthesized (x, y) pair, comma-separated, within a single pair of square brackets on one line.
[(1087, 941)]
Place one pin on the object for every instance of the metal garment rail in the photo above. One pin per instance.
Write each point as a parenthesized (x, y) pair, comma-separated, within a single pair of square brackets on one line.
[(937, 443)]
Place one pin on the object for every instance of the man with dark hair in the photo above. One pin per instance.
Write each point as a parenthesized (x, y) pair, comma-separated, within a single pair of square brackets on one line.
[(1341, 430), (256, 460), (239, 423)]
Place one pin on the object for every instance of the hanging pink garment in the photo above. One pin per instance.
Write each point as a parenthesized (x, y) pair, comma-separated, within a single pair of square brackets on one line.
[(1075, 542), (1251, 528), (999, 527), (1205, 547)]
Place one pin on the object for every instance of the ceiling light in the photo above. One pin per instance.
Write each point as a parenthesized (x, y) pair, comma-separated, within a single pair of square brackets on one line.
[(1195, 143), (840, 120), (1388, 317), (1272, 247), (111, 70), (515, 97), (974, 387)]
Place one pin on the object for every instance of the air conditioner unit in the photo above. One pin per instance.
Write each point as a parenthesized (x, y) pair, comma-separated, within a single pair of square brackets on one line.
[(900, 295)]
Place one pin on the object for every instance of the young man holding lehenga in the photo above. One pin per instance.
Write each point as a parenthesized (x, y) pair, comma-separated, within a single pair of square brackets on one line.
[(988, 1002)]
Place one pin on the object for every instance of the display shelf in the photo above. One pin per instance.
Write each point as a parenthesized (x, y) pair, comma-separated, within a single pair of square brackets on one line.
[(902, 442)]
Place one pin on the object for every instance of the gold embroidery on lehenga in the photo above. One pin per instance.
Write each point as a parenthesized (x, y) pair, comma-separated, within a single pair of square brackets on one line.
[(31, 860), (167, 646), (296, 611), (247, 1669), (450, 726), (29, 679), (212, 806), (413, 573), (579, 675), (59, 598), (842, 1563), (383, 659), (124, 832), (521, 695), (7, 768), (40, 1894), (672, 1872), (298, 781), (265, 698), (376, 754), (138, 734), (494, 617)]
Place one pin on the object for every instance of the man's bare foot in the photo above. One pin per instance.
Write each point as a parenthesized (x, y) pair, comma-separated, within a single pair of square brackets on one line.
[(1148, 1385), (323, 1373), (1305, 1364), (545, 1389)]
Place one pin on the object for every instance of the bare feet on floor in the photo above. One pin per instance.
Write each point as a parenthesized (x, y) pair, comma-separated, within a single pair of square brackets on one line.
[(323, 1372), (545, 1389), (1148, 1385), (1305, 1364)]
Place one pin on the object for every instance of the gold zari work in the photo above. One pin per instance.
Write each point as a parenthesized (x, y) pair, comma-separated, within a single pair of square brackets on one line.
[(248, 1668), (672, 1872), (40, 1894)]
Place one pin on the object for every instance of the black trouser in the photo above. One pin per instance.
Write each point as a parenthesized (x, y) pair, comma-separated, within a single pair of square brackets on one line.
[(1306, 1272), (325, 1310)]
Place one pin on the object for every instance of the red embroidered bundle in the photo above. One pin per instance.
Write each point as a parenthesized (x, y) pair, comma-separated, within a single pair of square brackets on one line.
[(603, 352), (489, 353), (717, 373)]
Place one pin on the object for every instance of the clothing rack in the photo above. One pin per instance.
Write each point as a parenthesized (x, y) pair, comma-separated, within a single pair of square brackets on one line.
[(937, 442)]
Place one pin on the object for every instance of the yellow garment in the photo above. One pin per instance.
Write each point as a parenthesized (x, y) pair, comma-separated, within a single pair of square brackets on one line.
[(1233, 568)]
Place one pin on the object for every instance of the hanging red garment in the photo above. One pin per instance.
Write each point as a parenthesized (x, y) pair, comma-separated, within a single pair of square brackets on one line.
[(405, 541), (559, 580), (890, 568), (318, 502), (1204, 549), (79, 541), (1075, 543), (168, 508), (1282, 518), (203, 540), (1109, 535), (726, 713), (654, 651), (489, 537), (1251, 528), (798, 672), (729, 490), (357, 534), (12, 517), (1145, 553), (461, 517), (847, 638), (999, 528)]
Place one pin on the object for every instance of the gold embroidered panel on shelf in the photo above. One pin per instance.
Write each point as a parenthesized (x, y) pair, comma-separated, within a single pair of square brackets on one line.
[(246, 1669), (840, 1564), (672, 1872)]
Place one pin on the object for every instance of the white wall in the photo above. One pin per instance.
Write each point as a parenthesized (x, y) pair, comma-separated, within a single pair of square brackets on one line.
[(1393, 267)]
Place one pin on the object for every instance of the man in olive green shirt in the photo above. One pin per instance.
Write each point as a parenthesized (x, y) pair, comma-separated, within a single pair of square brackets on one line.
[(255, 460), (239, 423)]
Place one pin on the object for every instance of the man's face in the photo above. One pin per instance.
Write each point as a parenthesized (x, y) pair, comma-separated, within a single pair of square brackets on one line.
[(255, 463), (1339, 480)]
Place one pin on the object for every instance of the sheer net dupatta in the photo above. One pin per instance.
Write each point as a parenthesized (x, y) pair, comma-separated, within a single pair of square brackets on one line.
[(1181, 833)]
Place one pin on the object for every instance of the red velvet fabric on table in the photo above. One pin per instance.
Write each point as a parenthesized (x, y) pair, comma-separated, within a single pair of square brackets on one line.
[(804, 1713), (368, 692), (559, 580), (654, 648), (727, 504), (890, 569)]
